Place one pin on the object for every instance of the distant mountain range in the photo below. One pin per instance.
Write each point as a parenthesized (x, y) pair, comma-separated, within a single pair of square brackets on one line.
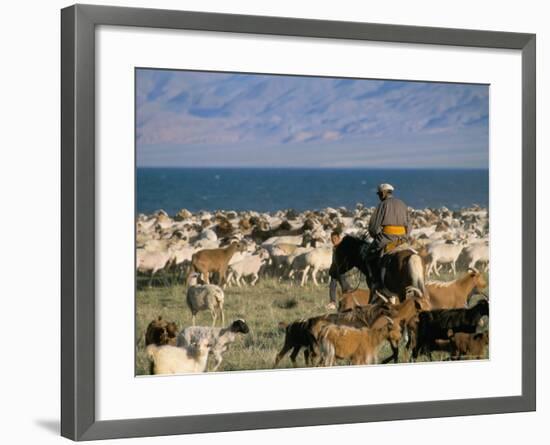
[(195, 107)]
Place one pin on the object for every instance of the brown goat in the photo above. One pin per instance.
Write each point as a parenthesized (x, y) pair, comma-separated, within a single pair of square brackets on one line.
[(208, 261), (472, 346), (405, 314), (360, 317), (454, 294), (360, 346), (305, 332), (160, 332), (352, 299)]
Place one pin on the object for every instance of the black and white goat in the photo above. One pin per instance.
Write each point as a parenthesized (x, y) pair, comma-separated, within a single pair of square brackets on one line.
[(219, 338)]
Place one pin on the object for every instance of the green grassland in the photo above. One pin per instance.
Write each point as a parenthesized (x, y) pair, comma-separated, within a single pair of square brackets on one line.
[(263, 307)]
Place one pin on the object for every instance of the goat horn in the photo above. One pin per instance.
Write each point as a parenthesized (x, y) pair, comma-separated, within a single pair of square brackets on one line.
[(414, 290), (384, 299), (473, 269)]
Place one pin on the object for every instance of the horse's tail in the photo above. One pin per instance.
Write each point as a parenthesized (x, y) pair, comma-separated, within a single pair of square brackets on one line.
[(416, 271)]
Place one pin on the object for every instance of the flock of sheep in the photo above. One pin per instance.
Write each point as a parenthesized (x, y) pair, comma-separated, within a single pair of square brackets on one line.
[(231, 248)]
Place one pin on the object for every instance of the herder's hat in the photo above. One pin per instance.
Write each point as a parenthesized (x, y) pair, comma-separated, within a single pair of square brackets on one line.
[(385, 188)]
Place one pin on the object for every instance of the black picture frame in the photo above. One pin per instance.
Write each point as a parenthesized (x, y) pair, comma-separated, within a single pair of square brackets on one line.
[(78, 23)]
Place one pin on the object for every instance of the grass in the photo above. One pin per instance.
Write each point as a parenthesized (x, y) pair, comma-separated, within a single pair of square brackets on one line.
[(263, 307)]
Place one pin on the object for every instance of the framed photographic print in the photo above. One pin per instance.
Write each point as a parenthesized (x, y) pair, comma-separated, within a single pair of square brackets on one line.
[(255, 208)]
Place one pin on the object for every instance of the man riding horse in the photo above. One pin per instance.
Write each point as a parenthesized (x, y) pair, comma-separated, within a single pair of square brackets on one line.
[(388, 227), (395, 274)]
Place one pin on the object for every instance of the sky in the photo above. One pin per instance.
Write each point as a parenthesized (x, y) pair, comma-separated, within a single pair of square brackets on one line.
[(211, 119)]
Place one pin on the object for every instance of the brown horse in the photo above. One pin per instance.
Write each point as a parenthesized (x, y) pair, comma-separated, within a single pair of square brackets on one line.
[(400, 269)]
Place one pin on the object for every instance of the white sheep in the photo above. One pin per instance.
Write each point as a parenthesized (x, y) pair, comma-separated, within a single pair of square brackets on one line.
[(148, 262), (238, 256), (183, 254), (442, 252), (201, 297), (284, 239), (169, 359), (316, 260), (208, 234), (219, 338), (287, 261), (248, 267), (423, 231), (477, 252)]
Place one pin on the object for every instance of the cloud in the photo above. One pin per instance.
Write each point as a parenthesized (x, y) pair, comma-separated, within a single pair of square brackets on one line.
[(187, 109)]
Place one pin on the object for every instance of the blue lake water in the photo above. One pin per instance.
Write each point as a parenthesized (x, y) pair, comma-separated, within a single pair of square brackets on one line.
[(266, 190)]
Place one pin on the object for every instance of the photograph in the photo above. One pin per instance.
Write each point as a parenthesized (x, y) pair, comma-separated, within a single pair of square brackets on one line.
[(291, 221), (267, 223)]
